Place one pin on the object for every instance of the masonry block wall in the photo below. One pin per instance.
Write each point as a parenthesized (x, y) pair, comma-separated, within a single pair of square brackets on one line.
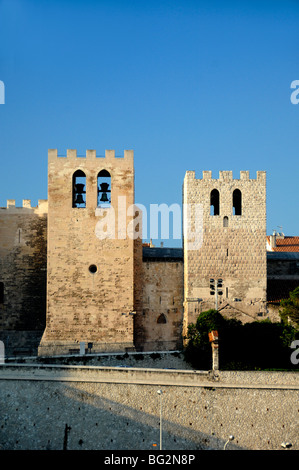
[(72, 269), (232, 248), (23, 267), (159, 323), (82, 408), (90, 284)]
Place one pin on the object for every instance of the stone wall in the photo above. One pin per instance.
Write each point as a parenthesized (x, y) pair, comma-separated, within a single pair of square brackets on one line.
[(159, 324), (23, 271), (90, 285), (91, 408), (232, 248)]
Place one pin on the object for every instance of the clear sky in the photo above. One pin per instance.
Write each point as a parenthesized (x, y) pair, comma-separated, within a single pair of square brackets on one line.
[(188, 85)]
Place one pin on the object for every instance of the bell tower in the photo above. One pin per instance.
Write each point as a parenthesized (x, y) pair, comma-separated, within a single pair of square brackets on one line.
[(91, 262), (227, 270)]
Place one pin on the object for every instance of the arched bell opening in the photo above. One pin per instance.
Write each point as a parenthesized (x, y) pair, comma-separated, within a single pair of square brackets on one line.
[(104, 189), (214, 202), (79, 191), (237, 202)]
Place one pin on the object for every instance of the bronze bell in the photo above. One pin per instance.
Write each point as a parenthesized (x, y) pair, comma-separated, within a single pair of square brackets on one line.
[(79, 199), (104, 198), (79, 188), (104, 187)]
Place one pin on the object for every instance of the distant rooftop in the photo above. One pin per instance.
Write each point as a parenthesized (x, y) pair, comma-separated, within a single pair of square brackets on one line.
[(177, 254), (162, 254), (283, 255), (280, 243)]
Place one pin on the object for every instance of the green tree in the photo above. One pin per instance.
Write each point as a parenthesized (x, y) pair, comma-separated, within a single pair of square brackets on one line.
[(290, 308), (250, 346), (198, 350)]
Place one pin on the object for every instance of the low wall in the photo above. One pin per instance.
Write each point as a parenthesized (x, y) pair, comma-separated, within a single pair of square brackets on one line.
[(48, 407)]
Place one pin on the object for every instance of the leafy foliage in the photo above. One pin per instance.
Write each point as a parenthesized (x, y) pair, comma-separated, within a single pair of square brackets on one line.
[(251, 346), (290, 308)]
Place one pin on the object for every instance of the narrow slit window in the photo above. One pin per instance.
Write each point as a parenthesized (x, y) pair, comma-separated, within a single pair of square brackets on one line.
[(79, 189), (214, 202), (237, 202), (225, 221), (104, 189)]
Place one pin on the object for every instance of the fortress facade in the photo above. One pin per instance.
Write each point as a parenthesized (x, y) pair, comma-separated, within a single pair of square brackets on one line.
[(74, 269)]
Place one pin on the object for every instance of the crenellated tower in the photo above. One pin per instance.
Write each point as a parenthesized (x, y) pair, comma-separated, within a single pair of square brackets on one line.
[(23, 267), (231, 220), (91, 255)]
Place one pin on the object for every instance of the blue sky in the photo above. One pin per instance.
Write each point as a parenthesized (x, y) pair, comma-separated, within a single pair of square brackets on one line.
[(188, 85)]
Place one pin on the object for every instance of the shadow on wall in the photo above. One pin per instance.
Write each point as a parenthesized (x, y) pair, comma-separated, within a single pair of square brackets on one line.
[(98, 416)]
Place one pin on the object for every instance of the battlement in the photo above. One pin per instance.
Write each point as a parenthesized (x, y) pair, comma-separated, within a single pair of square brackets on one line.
[(42, 205), (227, 176), (71, 154)]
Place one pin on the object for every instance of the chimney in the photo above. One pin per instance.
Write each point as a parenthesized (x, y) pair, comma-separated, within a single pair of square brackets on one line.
[(273, 240)]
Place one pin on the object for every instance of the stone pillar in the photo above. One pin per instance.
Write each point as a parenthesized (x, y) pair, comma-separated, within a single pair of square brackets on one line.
[(213, 337)]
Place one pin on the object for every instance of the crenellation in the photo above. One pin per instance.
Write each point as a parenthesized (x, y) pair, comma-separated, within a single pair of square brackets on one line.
[(109, 154), (190, 175), (244, 175), (207, 175), (129, 156), (26, 203), (91, 154), (261, 176), (42, 205), (10, 203), (52, 154), (71, 153), (225, 175)]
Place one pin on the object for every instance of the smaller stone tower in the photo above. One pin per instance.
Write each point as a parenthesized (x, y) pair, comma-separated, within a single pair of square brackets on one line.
[(231, 218), (91, 261)]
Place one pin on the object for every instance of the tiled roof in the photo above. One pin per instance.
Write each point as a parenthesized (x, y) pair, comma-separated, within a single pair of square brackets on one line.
[(285, 244)]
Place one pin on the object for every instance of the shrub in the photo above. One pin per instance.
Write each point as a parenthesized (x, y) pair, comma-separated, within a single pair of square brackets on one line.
[(256, 345)]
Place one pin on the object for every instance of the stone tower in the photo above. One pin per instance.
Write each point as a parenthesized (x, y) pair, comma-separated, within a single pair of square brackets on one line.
[(91, 260), (230, 217)]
